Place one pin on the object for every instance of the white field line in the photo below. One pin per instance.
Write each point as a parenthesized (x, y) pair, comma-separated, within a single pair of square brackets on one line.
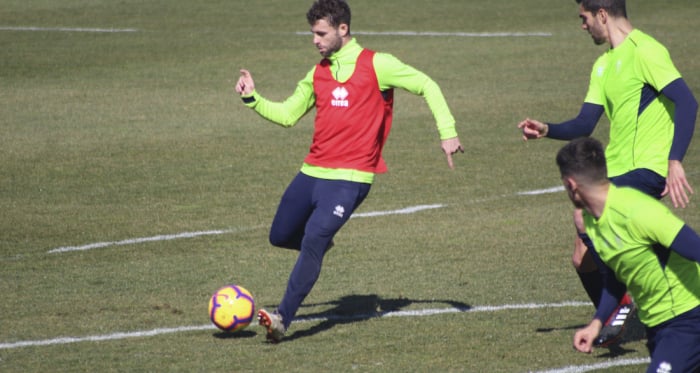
[(66, 29), (132, 241), (182, 329), (555, 189), (604, 365), (167, 237), (407, 210), (440, 311), (407, 313), (104, 337), (458, 34)]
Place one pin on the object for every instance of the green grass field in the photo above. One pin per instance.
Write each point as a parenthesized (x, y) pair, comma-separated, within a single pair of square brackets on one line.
[(118, 137)]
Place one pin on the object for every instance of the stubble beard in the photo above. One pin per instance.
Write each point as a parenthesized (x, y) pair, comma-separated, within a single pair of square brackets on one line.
[(333, 47)]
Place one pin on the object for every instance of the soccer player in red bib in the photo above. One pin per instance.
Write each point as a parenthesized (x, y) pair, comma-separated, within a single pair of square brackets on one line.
[(352, 92)]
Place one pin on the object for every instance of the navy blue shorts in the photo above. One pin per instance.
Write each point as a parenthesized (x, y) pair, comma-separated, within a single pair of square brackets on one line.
[(674, 346), (645, 180), (314, 209)]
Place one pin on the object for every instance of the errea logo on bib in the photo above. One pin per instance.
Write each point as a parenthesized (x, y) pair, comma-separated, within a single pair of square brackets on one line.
[(340, 96)]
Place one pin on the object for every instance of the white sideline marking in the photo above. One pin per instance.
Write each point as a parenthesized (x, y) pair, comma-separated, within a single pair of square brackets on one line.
[(406, 210), (440, 311), (132, 241), (66, 29), (167, 237), (105, 337), (408, 313), (434, 33), (605, 365), (160, 331), (555, 189)]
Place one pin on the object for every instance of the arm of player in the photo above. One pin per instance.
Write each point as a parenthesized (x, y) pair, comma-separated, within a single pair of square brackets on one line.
[(582, 125), (687, 244), (392, 73), (445, 122), (286, 113), (613, 291), (686, 108)]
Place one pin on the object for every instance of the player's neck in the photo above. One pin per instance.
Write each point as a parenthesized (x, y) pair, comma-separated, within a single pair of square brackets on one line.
[(618, 29), (594, 199)]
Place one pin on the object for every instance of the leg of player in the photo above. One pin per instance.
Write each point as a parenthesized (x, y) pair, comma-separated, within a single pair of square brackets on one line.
[(287, 231), (294, 209), (587, 271), (334, 202)]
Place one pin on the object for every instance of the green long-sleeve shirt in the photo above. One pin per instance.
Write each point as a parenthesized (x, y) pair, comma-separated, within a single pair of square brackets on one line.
[(391, 73)]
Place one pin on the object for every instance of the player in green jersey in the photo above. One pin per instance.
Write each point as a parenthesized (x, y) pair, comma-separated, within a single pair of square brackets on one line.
[(652, 118), (640, 246)]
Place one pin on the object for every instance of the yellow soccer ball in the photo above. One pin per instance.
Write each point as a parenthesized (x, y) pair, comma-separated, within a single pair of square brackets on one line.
[(231, 308)]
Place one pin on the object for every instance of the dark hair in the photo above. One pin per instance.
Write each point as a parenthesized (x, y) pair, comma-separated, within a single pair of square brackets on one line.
[(583, 158), (334, 12), (615, 8)]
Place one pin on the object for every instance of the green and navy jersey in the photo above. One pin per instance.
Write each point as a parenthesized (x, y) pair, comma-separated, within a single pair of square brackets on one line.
[(632, 237), (627, 81), (391, 73)]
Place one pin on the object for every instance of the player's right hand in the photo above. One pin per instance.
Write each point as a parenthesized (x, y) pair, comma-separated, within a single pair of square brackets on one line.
[(245, 84), (532, 129)]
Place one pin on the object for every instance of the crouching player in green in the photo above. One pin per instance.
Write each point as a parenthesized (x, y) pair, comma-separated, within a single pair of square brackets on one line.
[(642, 248)]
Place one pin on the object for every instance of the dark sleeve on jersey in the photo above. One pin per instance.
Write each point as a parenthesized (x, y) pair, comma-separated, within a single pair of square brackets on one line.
[(613, 290), (581, 126), (685, 112), (687, 244)]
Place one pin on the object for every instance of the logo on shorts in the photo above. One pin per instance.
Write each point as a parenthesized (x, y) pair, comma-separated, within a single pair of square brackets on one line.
[(664, 367), (339, 211), (340, 95)]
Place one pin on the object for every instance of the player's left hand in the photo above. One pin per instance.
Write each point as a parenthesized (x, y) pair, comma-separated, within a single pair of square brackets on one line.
[(451, 146), (677, 185)]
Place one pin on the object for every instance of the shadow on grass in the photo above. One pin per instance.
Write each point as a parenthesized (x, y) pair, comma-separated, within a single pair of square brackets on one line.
[(357, 308), (616, 351), (235, 335), (560, 328)]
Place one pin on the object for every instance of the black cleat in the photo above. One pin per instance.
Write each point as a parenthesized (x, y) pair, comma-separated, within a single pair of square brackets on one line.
[(614, 327)]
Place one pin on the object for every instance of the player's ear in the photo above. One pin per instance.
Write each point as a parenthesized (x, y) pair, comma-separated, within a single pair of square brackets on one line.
[(343, 30), (569, 183), (602, 16)]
